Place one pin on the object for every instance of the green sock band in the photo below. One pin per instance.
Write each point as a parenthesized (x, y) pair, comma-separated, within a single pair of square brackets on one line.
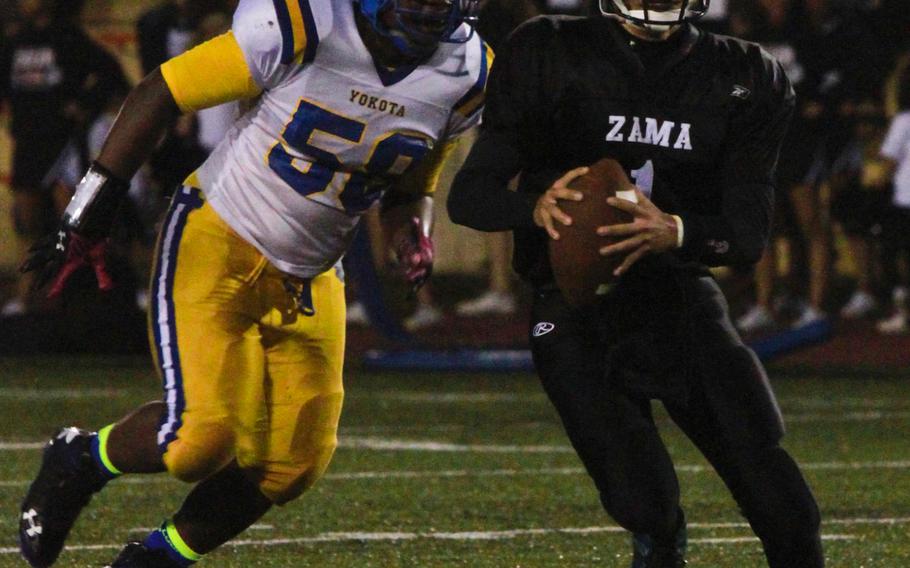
[(178, 544), (99, 451)]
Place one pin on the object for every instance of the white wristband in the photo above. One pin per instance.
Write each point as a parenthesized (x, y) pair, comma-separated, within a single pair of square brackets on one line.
[(680, 231)]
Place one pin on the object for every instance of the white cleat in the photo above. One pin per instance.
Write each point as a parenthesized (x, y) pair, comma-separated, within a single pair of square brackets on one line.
[(757, 318), (13, 308), (490, 302), (861, 305), (808, 316), (424, 316), (895, 325), (357, 314)]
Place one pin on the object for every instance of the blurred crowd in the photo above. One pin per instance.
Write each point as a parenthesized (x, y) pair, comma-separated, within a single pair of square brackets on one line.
[(845, 168)]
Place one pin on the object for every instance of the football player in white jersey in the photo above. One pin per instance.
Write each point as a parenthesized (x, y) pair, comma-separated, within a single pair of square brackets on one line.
[(351, 103)]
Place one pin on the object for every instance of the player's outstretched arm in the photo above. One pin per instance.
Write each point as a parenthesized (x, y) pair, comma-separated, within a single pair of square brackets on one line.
[(210, 74), (81, 238)]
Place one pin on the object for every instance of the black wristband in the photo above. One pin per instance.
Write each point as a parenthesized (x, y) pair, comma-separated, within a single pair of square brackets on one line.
[(95, 201)]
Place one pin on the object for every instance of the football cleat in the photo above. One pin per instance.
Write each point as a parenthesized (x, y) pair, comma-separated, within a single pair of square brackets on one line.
[(65, 484), (647, 555), (136, 555)]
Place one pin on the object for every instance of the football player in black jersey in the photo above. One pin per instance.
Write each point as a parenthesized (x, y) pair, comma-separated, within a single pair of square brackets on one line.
[(697, 121)]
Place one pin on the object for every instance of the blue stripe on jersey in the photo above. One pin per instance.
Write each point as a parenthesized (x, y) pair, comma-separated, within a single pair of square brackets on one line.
[(287, 31), (309, 26), (162, 313), (479, 85)]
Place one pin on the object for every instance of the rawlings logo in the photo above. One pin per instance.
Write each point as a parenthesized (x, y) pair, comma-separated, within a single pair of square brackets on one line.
[(543, 328)]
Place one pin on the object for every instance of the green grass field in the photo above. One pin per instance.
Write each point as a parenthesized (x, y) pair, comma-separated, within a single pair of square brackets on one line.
[(455, 470)]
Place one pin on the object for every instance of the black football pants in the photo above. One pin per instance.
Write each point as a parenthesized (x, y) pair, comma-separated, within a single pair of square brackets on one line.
[(728, 411)]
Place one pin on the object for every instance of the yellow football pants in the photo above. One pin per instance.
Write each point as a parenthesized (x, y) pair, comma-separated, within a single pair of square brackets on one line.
[(246, 376)]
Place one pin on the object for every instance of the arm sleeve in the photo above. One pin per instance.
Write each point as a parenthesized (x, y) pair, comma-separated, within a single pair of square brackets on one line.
[(514, 118), (210, 74), (275, 36), (740, 232)]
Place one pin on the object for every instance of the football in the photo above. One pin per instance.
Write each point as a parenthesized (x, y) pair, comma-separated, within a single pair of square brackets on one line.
[(581, 273)]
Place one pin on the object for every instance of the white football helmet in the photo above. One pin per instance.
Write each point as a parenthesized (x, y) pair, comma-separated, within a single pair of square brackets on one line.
[(655, 15)]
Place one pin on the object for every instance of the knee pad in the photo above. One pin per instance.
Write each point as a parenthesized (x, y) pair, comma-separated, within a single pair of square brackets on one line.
[(301, 450), (199, 451), (282, 483)]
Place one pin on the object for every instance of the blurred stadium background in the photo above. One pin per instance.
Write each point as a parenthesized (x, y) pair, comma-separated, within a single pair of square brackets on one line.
[(439, 468)]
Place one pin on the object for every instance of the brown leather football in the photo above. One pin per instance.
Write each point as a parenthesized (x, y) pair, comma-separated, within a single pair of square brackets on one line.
[(582, 274)]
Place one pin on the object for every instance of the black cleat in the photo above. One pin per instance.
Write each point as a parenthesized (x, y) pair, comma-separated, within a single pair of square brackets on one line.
[(647, 555), (136, 555), (65, 484)]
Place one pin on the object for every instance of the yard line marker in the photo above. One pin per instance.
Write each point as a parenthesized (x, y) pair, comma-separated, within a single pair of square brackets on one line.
[(459, 536), (356, 442), (256, 527), (32, 394), (754, 540), (16, 446), (382, 475), (450, 397), (866, 416)]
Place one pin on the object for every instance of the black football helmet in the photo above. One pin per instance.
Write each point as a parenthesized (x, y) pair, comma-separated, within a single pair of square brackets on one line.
[(655, 13)]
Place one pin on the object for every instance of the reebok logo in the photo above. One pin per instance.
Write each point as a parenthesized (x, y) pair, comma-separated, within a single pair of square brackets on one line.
[(720, 247), (543, 328)]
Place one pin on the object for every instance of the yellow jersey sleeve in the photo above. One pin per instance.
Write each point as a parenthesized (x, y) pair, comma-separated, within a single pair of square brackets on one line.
[(210, 74), (424, 178)]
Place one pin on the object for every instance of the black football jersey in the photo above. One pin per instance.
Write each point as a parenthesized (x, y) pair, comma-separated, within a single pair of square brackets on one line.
[(697, 122)]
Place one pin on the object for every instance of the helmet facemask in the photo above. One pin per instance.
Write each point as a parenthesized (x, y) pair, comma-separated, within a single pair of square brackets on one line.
[(417, 27), (655, 15)]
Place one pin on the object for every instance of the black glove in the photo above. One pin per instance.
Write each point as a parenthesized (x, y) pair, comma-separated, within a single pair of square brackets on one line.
[(57, 256)]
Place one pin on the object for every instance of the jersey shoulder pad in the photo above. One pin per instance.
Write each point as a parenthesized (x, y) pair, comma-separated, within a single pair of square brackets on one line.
[(466, 110), (275, 35)]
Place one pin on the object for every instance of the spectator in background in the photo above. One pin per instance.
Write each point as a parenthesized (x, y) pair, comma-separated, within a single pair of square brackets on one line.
[(896, 236), (774, 24), (835, 63), (497, 19), (163, 33), (55, 79), (859, 183)]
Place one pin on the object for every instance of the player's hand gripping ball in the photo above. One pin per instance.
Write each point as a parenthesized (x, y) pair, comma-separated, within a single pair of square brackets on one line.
[(582, 273)]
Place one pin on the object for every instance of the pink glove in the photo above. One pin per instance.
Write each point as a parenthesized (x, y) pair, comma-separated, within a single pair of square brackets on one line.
[(414, 251)]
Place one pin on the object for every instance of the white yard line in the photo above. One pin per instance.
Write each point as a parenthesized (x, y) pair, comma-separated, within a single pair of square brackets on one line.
[(256, 527), (476, 535), (391, 444), (76, 392)]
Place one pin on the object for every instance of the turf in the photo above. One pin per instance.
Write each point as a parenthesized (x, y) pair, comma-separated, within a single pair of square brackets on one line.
[(471, 470)]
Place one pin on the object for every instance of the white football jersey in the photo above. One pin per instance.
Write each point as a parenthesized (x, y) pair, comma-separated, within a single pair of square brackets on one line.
[(331, 130)]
